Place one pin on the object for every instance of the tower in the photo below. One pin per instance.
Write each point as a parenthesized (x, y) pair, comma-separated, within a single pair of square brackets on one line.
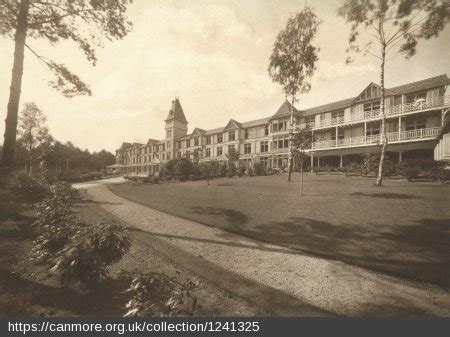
[(176, 127)]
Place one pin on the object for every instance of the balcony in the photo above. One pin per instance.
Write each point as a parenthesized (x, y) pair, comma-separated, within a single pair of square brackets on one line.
[(392, 137), (393, 110)]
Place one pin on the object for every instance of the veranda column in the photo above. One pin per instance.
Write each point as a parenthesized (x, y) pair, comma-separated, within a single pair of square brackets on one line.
[(312, 163), (399, 126), (337, 133), (400, 156), (342, 161), (365, 132)]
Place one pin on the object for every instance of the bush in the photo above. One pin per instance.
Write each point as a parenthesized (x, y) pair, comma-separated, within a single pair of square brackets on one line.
[(371, 163), (196, 172), (183, 169), (155, 294), (88, 254), (259, 169), (30, 188), (241, 171), (250, 172), (232, 170), (55, 221), (412, 172), (223, 170)]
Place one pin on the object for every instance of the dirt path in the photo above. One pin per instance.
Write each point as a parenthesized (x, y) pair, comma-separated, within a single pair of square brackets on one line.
[(318, 283)]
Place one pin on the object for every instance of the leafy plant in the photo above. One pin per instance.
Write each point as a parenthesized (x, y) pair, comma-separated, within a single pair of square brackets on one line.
[(89, 252), (259, 169), (155, 294), (30, 188)]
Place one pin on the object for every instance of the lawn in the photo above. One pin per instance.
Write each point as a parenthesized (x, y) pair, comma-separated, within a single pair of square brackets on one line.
[(401, 228)]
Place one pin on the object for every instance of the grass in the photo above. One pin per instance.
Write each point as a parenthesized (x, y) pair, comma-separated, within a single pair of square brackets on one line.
[(400, 229)]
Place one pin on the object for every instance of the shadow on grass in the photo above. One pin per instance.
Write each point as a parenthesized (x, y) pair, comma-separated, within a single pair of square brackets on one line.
[(82, 202), (386, 195), (233, 217), (418, 252)]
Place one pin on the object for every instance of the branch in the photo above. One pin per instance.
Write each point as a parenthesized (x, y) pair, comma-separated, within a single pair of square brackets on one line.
[(35, 24)]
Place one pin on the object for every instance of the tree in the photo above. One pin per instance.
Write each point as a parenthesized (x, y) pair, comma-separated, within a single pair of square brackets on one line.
[(33, 134), (293, 61), (301, 141), (55, 20), (232, 156), (393, 26)]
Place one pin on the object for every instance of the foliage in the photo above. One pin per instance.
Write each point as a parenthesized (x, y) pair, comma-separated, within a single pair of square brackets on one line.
[(250, 172), (89, 252), (392, 26), (259, 169), (233, 155), (232, 170), (371, 162), (55, 221), (57, 21), (241, 171), (155, 294), (30, 188), (223, 170), (183, 169), (293, 57)]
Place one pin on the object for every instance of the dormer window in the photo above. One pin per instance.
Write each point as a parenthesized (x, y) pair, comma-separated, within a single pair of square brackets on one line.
[(231, 135)]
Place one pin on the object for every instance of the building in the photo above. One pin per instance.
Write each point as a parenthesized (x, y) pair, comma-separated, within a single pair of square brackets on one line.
[(343, 131)]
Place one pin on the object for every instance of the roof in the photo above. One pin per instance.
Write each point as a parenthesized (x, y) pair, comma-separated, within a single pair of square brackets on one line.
[(284, 110), (257, 122), (214, 131), (125, 145), (176, 112), (428, 83), (151, 141)]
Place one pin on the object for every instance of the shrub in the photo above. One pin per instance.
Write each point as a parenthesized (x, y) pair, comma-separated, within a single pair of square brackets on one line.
[(259, 169), (241, 171), (88, 254), (250, 172), (183, 169), (55, 221), (196, 172), (155, 294), (412, 172), (232, 170), (30, 188), (223, 170)]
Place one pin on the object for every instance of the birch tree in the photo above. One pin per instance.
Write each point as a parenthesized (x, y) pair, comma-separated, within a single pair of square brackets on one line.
[(301, 141), (293, 61), (391, 27), (86, 23)]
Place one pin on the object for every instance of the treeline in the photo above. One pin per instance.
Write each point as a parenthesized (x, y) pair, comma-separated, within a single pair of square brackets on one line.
[(37, 150)]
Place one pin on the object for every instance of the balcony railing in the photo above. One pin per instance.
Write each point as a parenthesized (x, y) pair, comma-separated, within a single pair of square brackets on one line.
[(392, 110), (369, 140)]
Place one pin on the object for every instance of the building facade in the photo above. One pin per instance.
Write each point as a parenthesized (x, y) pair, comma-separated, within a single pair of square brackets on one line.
[(343, 131)]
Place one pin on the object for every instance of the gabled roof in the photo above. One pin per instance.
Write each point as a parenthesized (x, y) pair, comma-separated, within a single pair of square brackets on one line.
[(176, 112), (345, 103), (213, 131), (284, 111), (152, 141), (232, 124), (429, 83), (257, 122), (126, 145), (198, 132)]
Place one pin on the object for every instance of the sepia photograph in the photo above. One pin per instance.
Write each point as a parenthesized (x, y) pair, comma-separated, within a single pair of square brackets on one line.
[(168, 159)]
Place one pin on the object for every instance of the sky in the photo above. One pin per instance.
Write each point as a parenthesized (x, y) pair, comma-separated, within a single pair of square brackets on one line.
[(213, 55)]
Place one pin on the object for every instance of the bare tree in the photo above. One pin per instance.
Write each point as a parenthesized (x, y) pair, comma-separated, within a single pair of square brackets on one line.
[(293, 61), (54, 21), (393, 27)]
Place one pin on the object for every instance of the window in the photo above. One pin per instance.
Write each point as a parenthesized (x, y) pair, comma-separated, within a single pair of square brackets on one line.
[(187, 154), (266, 130), (196, 141), (247, 134), (188, 143), (230, 147), (169, 134), (231, 135), (373, 129), (264, 146), (340, 134), (168, 156), (220, 138), (163, 157), (179, 154), (415, 97), (208, 140), (208, 152), (415, 124), (219, 151), (247, 148), (275, 127), (168, 145)]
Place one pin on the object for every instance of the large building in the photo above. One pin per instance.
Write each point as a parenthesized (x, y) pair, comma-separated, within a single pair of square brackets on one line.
[(343, 131)]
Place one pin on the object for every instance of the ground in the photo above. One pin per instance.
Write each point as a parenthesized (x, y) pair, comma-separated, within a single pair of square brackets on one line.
[(399, 229)]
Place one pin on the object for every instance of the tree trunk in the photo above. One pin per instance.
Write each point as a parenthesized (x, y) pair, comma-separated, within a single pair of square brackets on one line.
[(291, 138), (301, 178), (383, 115), (9, 143)]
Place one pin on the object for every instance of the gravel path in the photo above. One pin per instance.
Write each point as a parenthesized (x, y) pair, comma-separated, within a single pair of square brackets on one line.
[(332, 286)]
